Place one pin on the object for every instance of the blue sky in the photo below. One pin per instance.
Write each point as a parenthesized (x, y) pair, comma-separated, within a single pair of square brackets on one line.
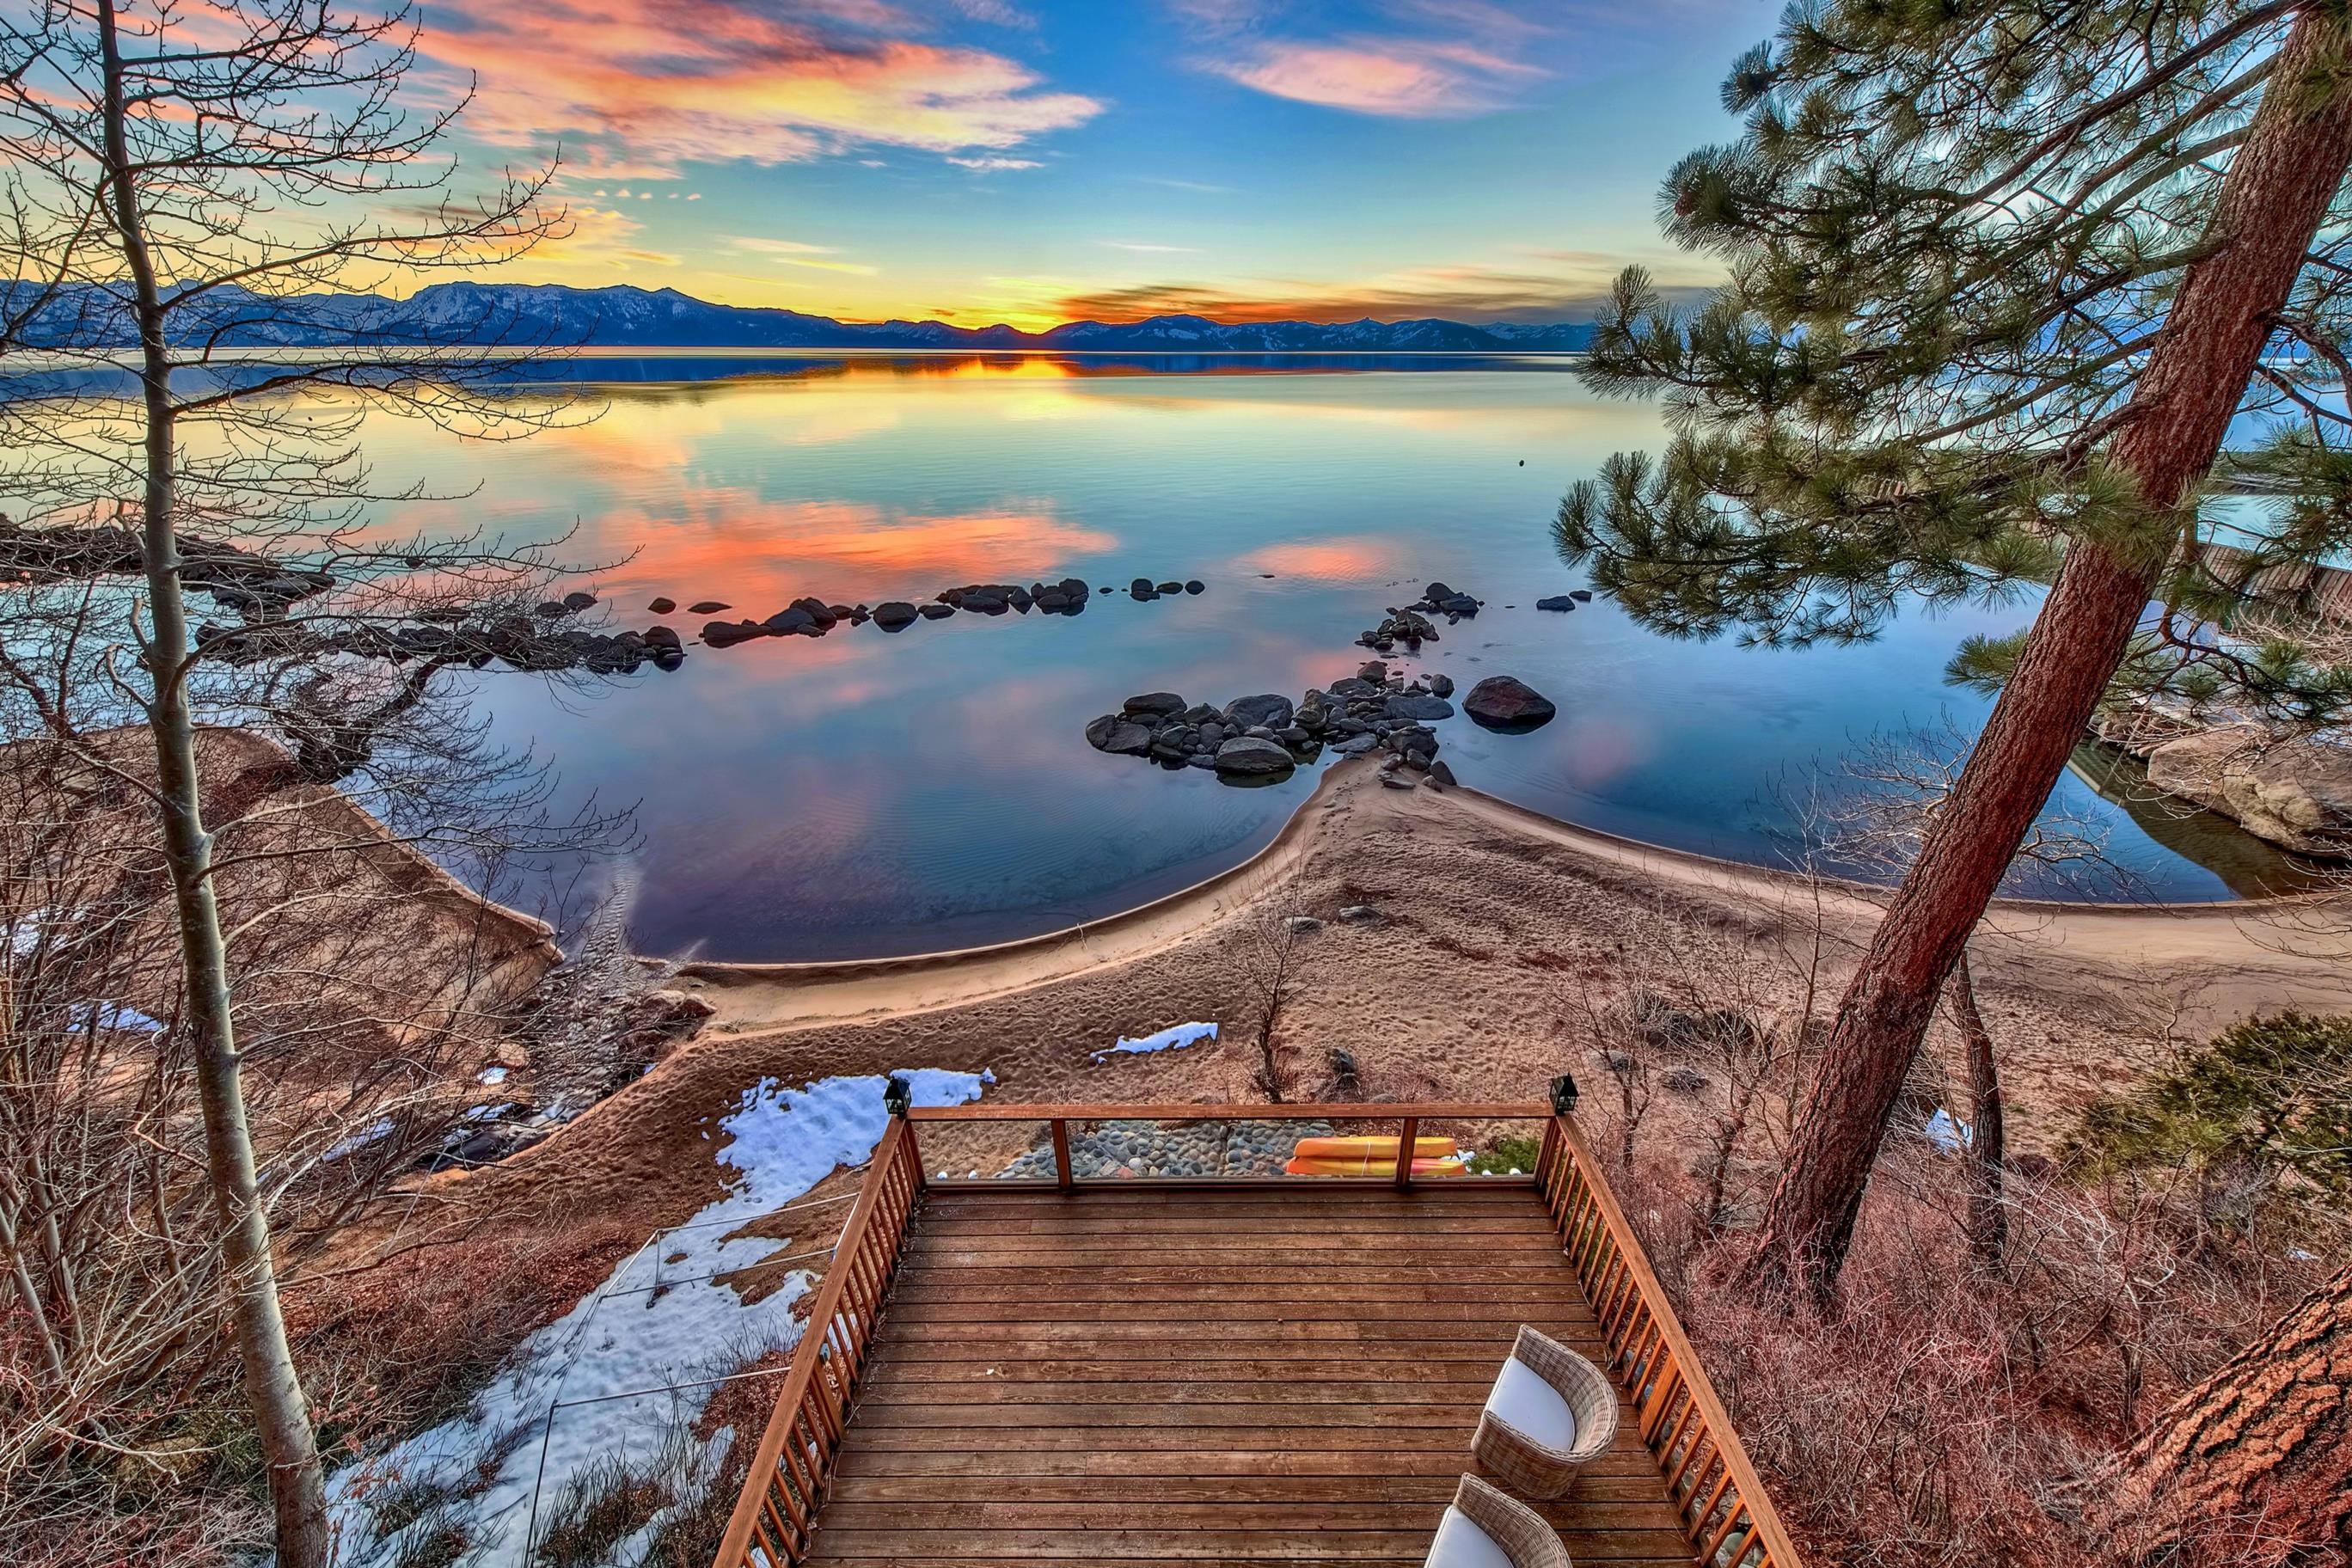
[(1037, 161)]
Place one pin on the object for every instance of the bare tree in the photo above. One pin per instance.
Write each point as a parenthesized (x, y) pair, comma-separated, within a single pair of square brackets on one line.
[(1268, 961), (200, 182)]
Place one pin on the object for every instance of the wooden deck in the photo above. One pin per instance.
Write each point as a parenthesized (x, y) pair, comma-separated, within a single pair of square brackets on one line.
[(1152, 1377)]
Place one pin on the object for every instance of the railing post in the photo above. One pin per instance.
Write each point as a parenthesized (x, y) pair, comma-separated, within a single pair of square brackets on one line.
[(1406, 1143), (1064, 1177)]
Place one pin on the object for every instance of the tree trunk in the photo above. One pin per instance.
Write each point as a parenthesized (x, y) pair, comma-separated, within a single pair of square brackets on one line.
[(2254, 1466), (1988, 1218), (281, 1413), (2272, 203)]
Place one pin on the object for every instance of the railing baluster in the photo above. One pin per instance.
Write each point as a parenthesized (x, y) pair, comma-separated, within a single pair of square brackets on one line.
[(1064, 1177)]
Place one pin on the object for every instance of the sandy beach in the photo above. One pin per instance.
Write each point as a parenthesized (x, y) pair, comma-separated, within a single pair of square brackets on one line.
[(1496, 938)]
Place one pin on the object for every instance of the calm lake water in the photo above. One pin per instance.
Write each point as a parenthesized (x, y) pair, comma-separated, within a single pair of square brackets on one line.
[(869, 794)]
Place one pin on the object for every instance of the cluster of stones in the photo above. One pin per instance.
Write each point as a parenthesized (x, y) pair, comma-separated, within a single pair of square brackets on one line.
[(1118, 1149), (813, 617), (1266, 736), (1568, 601), (538, 641), (1409, 626)]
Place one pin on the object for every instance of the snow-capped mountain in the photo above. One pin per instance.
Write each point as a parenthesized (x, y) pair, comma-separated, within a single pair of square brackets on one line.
[(623, 316)]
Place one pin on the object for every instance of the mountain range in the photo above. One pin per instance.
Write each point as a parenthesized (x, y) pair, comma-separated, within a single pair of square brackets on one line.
[(623, 316)]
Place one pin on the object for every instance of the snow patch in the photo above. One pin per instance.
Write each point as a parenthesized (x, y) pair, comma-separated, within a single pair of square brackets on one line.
[(1170, 1039), (603, 1380)]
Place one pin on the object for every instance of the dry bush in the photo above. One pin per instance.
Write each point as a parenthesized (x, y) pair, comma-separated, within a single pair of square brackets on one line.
[(1945, 1416)]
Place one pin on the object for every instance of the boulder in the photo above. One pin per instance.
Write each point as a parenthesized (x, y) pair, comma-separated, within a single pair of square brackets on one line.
[(1440, 685), (1251, 757), (1460, 604), (1171, 587), (1438, 774), (1357, 745), (817, 611), (1158, 704), (2294, 792), (1437, 594), (1556, 602), (1266, 710), (1142, 589), (659, 638), (1581, 596), (662, 606), (577, 600), (897, 615), (726, 634), (1417, 705), (707, 607), (1507, 702), (1372, 672), (786, 623), (1118, 736), (986, 601), (1194, 585), (931, 611)]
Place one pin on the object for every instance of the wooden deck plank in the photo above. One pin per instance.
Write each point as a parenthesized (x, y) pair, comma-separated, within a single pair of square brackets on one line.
[(1150, 1379)]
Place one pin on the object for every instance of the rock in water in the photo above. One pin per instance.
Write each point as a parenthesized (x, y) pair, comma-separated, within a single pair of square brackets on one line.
[(1158, 704), (1418, 705), (2295, 791), (662, 606), (1249, 757), (1556, 602), (1440, 685), (1194, 585), (1120, 736), (726, 634), (1581, 596), (1266, 711), (1438, 774), (895, 615), (935, 611), (1505, 703), (707, 607)]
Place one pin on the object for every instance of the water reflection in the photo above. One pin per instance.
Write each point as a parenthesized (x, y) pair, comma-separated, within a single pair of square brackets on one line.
[(864, 794)]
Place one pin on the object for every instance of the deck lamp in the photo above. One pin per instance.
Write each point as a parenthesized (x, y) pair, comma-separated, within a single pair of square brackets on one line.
[(1563, 1095), (897, 1095)]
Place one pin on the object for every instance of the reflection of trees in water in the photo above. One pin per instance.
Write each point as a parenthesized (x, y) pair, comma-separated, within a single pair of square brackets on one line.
[(2248, 866)]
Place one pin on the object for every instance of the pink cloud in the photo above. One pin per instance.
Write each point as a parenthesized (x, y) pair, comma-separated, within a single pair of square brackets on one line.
[(642, 87), (1407, 78)]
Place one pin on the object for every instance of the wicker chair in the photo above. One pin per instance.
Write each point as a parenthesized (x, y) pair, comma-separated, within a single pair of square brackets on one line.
[(1551, 1411), (1484, 1529)]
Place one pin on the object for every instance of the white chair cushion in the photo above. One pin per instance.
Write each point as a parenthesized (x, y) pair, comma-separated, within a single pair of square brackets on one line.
[(1524, 1401), (1462, 1544)]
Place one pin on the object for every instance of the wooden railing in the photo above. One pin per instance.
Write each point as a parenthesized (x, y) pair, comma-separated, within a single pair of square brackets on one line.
[(1722, 1504), (1679, 1417), (1057, 1120), (794, 1466)]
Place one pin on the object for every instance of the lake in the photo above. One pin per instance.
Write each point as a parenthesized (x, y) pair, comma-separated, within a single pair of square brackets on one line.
[(866, 793)]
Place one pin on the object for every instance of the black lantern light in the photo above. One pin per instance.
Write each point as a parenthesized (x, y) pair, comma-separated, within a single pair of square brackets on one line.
[(1563, 1095), (897, 1095)]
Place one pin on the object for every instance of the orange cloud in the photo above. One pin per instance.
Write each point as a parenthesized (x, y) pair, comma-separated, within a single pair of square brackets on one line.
[(642, 87), (1399, 78)]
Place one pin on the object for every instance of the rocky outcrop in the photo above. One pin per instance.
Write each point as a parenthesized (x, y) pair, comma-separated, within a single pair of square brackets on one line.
[(2295, 791), (2291, 790)]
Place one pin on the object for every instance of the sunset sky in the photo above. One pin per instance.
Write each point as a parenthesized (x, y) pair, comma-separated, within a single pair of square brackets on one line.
[(1039, 161)]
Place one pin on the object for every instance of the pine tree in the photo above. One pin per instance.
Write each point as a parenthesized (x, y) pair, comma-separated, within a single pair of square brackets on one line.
[(2003, 278)]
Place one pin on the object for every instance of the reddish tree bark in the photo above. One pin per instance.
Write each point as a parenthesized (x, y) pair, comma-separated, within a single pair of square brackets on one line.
[(2254, 1466), (1988, 1146), (2272, 203)]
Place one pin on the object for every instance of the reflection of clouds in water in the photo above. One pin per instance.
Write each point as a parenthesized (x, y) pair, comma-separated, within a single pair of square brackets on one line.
[(1362, 559), (732, 544), (1604, 750)]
